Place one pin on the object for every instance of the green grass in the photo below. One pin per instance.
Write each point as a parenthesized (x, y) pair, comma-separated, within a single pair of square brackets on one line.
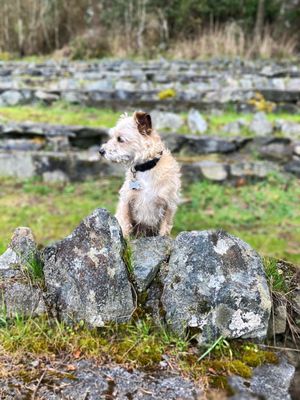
[(66, 114), (139, 343), (265, 214)]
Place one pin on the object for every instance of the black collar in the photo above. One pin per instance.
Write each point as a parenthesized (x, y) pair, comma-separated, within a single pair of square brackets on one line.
[(146, 166)]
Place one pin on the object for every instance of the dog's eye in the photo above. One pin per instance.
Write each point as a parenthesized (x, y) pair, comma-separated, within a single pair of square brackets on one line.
[(120, 140)]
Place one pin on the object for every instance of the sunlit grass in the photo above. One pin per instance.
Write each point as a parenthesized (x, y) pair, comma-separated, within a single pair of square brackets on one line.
[(66, 114)]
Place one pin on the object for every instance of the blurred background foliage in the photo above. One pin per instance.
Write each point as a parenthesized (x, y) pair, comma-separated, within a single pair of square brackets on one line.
[(175, 28)]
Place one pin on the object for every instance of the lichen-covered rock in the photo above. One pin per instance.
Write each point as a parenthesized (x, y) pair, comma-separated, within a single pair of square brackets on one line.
[(85, 275), (216, 286), (147, 255), (268, 381), (23, 299), (20, 294), (117, 383)]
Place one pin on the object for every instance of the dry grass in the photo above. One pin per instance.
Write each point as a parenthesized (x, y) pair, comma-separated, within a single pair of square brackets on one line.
[(232, 41)]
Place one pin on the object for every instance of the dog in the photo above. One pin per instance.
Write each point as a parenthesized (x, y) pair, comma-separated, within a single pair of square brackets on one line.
[(150, 194)]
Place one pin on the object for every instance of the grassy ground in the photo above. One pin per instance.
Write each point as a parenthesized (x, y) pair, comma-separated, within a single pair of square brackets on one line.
[(65, 114), (265, 214)]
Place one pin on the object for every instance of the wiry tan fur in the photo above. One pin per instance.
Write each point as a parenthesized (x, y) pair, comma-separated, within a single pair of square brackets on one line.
[(149, 210)]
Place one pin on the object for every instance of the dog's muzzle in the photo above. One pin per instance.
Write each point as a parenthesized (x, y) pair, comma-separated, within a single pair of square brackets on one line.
[(102, 152)]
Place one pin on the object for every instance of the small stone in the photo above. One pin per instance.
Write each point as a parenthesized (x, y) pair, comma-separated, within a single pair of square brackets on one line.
[(147, 256), (55, 176), (19, 294), (260, 125), (166, 120), (196, 123), (235, 127), (278, 320), (213, 171), (12, 97), (46, 96), (258, 169)]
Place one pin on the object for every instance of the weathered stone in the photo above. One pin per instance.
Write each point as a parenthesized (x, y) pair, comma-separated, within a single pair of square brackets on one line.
[(85, 274), (235, 127), (268, 381), (19, 294), (12, 97), (215, 286), (47, 97), (113, 382), (55, 176), (278, 320), (260, 125), (288, 128), (23, 299), (18, 165), (213, 171), (293, 167), (196, 122), (258, 169), (193, 144), (166, 120), (147, 256)]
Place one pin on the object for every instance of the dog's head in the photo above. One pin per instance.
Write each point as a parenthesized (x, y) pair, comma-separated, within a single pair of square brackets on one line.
[(132, 140)]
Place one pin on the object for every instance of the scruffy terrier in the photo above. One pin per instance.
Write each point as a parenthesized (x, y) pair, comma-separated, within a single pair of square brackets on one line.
[(150, 193)]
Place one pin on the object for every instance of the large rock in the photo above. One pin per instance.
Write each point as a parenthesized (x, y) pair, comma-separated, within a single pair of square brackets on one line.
[(85, 275), (215, 286), (21, 293), (268, 381)]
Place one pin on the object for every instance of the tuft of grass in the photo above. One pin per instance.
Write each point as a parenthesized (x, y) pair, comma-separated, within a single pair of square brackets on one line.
[(33, 269), (127, 257), (275, 276)]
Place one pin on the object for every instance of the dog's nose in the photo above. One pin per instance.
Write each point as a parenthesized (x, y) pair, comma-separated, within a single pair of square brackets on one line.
[(102, 151)]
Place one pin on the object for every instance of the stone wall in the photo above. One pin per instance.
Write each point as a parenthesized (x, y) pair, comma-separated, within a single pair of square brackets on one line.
[(70, 153), (121, 84)]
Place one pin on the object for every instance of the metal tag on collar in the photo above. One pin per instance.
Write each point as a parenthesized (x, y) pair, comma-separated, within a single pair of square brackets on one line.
[(135, 185)]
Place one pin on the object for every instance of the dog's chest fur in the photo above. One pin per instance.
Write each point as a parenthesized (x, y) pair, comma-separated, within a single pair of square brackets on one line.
[(146, 206)]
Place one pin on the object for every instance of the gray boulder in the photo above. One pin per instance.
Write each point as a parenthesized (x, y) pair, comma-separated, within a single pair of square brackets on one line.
[(268, 381), (215, 286), (196, 122), (260, 125), (147, 256), (21, 293), (85, 275)]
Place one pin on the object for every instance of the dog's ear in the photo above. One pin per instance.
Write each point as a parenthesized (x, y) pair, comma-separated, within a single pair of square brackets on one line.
[(143, 121)]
